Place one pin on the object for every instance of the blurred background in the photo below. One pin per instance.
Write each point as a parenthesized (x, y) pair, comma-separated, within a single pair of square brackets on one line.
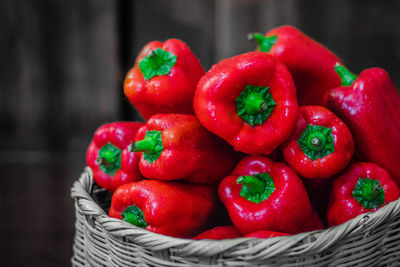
[(63, 65)]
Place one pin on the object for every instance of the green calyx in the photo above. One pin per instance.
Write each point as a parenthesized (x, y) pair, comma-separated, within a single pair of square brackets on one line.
[(151, 146), (256, 188), (369, 193), (158, 62), (255, 104), (316, 141), (346, 76), (134, 215), (265, 43), (109, 159)]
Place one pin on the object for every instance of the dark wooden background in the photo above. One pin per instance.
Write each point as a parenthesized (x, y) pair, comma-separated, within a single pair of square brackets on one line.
[(62, 68)]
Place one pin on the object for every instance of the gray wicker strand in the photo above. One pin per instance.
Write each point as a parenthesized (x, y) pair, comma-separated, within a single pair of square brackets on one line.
[(371, 239)]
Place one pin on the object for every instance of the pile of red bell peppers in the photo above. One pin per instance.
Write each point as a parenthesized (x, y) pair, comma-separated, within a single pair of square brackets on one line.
[(272, 142)]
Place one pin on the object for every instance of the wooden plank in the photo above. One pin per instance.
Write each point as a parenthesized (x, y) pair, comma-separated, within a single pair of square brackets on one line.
[(191, 21), (363, 33), (62, 71)]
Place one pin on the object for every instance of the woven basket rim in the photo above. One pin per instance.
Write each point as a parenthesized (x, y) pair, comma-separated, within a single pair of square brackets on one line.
[(307, 243)]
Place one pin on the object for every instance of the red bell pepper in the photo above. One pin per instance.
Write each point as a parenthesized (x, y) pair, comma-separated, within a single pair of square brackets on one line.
[(249, 100), (364, 187), (168, 208), (264, 195), (163, 79), (176, 146), (265, 234), (310, 63), (219, 233), (370, 105), (320, 146), (108, 156)]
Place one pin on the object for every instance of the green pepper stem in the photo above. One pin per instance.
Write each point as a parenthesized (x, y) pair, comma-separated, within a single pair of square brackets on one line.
[(375, 191), (108, 156), (255, 103), (256, 37), (254, 185), (369, 193), (148, 144), (316, 141), (265, 43), (134, 215), (109, 159), (377, 187), (374, 194), (345, 75), (102, 161), (158, 62)]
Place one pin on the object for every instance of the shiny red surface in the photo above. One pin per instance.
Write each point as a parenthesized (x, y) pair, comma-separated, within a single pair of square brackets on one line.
[(329, 165), (121, 135), (190, 152), (343, 206), (215, 106), (371, 109), (287, 209), (171, 93), (169, 208), (310, 63)]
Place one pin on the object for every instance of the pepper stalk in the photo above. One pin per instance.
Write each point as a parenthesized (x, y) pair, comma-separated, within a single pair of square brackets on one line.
[(256, 188), (369, 193), (346, 76), (265, 43), (150, 145), (134, 215)]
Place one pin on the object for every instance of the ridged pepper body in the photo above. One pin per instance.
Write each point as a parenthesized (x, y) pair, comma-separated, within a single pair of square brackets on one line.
[(330, 153), (320, 147), (168, 208), (370, 106), (310, 63), (172, 89), (249, 100), (362, 188), (282, 204), (188, 151), (108, 156)]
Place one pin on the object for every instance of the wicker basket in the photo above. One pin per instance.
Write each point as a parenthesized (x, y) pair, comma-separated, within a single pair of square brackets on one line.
[(371, 239)]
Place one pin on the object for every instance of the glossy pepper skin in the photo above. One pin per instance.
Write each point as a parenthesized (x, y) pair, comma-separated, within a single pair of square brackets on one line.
[(264, 195), (108, 156), (320, 146), (265, 234), (249, 100), (163, 79), (310, 63), (168, 208), (177, 146), (370, 106), (219, 233), (364, 187)]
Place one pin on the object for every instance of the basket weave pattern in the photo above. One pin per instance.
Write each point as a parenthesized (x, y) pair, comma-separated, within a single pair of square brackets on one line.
[(371, 239)]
